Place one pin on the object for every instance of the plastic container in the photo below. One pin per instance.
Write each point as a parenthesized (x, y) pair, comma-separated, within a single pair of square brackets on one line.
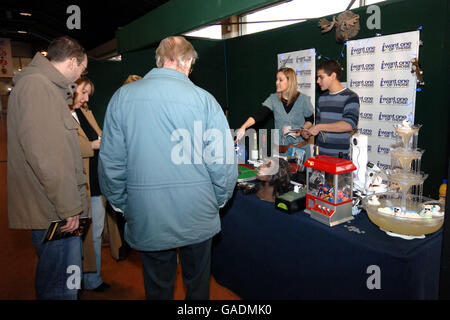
[(443, 191)]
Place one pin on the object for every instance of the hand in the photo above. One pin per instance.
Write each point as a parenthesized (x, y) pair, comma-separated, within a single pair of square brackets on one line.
[(296, 133), (239, 134), (305, 134), (72, 224), (314, 130), (95, 144)]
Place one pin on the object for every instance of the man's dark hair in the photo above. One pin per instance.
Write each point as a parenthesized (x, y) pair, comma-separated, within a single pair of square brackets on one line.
[(330, 66), (64, 48)]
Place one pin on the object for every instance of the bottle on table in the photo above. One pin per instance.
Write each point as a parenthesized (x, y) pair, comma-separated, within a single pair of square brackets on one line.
[(254, 148), (443, 191)]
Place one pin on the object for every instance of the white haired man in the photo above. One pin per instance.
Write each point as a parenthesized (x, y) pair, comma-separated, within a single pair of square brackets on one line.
[(155, 168)]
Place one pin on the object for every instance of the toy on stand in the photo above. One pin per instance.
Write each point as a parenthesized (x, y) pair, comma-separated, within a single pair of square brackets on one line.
[(329, 185)]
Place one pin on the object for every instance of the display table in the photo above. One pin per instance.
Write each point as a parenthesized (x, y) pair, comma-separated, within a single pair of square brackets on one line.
[(264, 253)]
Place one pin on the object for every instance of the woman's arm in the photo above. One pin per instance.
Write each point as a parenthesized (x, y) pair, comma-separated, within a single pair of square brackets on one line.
[(241, 131)]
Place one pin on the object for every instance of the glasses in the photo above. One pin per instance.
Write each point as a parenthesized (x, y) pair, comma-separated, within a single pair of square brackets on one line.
[(85, 72)]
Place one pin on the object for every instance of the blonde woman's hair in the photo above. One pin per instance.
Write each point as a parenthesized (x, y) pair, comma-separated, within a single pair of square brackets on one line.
[(175, 48), (291, 76), (132, 78)]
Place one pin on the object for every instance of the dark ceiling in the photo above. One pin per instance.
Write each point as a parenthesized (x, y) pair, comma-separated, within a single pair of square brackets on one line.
[(99, 20)]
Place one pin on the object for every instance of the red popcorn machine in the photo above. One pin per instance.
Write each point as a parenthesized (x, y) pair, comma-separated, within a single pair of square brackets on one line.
[(329, 189)]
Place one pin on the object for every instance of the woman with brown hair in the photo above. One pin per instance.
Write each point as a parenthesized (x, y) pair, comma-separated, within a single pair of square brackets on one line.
[(89, 134), (290, 108)]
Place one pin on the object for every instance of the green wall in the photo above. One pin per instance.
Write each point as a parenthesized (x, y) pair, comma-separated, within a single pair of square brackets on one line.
[(240, 72), (108, 76)]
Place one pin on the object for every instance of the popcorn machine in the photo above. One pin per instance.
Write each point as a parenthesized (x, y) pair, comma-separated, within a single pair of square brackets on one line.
[(329, 189)]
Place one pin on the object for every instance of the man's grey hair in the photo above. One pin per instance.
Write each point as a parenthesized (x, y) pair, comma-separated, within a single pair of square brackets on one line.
[(175, 48)]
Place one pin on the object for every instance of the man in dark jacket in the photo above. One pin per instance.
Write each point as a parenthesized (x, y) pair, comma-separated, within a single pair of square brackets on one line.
[(45, 174)]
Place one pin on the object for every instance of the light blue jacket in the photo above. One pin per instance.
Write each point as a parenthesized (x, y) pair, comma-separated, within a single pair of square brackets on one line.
[(167, 160)]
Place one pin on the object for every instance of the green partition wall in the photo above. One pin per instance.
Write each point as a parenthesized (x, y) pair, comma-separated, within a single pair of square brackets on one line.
[(108, 76)]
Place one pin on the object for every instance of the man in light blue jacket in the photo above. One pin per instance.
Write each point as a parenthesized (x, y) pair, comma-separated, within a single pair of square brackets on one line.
[(167, 161)]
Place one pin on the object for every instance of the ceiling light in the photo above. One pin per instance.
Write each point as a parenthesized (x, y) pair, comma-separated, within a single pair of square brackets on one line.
[(26, 14), (21, 31)]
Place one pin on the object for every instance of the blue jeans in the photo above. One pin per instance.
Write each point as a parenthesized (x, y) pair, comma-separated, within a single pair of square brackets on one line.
[(160, 269), (59, 268), (92, 280)]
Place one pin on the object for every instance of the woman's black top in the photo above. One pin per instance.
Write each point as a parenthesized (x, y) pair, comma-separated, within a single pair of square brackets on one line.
[(93, 161)]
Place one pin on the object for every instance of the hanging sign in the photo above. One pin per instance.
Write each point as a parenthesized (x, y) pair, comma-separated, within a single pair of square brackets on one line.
[(379, 71), (6, 60)]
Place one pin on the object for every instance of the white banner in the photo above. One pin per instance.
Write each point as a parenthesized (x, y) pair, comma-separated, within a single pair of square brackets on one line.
[(6, 60), (379, 71), (304, 64)]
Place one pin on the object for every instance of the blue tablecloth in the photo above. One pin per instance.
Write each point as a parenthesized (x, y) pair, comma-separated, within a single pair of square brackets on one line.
[(263, 253)]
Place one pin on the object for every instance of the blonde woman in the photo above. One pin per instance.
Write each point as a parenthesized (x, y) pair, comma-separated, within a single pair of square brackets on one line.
[(291, 110), (132, 78)]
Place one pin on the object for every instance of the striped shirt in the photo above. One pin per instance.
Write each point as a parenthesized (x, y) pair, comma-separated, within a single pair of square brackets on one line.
[(331, 108)]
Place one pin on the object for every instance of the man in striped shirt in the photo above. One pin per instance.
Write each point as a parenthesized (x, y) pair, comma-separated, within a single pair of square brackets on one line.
[(337, 112)]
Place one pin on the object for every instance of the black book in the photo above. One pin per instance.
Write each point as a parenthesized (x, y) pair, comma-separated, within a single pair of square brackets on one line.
[(54, 230)]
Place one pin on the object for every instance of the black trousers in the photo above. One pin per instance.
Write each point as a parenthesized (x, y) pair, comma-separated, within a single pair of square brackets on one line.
[(160, 267)]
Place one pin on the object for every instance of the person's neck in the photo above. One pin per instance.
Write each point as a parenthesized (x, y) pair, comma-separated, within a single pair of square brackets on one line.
[(174, 66), (335, 87), (61, 67), (266, 193), (74, 107)]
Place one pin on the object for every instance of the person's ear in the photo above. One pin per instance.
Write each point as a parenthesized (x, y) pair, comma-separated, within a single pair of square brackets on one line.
[(190, 66), (72, 63)]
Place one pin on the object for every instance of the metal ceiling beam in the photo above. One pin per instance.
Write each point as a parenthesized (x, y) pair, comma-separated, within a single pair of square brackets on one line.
[(350, 4)]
